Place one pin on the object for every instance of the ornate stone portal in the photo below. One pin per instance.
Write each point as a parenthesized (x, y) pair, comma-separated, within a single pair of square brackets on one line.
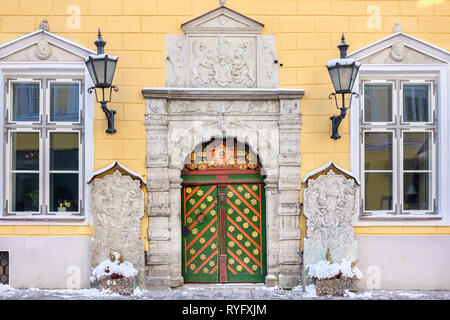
[(330, 205), (222, 79)]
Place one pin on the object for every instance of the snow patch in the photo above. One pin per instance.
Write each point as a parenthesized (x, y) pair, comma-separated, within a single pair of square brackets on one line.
[(342, 62), (310, 291), (5, 287), (411, 295), (323, 269), (107, 267)]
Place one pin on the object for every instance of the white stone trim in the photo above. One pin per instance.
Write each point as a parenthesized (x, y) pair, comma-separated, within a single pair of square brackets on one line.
[(31, 38), (412, 42), (112, 165), (326, 166)]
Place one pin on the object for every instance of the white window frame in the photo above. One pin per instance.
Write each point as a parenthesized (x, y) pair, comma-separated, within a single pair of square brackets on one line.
[(442, 172), (64, 70), (44, 143)]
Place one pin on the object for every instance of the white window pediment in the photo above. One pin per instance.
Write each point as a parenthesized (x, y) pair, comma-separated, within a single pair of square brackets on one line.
[(401, 48), (401, 59), (43, 46)]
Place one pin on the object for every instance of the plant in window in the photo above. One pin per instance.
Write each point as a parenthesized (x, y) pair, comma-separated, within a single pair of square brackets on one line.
[(63, 205), (33, 198)]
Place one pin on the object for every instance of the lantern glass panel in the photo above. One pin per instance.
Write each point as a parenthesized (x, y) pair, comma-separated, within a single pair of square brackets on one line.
[(90, 67), (345, 76), (110, 69), (334, 75), (99, 66)]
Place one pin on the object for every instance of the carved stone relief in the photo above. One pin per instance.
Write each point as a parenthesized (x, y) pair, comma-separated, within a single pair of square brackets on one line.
[(117, 206), (330, 204), (222, 49), (227, 62)]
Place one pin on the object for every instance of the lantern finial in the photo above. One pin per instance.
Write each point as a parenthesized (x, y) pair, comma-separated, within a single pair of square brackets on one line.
[(343, 46), (100, 43)]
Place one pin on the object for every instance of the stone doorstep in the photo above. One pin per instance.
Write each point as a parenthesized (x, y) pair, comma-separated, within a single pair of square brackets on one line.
[(223, 286)]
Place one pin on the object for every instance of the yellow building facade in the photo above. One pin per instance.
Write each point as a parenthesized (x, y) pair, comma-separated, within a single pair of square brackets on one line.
[(306, 34)]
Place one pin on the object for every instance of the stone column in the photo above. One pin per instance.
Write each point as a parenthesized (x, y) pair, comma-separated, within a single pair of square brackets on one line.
[(176, 278), (289, 187), (271, 188), (158, 260)]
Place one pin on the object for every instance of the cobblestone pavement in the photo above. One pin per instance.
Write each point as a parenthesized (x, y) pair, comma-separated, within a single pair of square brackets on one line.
[(218, 293)]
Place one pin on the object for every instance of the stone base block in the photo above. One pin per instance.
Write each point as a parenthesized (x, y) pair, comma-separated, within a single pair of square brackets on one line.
[(123, 286), (271, 280), (334, 287), (158, 283), (288, 282), (176, 282)]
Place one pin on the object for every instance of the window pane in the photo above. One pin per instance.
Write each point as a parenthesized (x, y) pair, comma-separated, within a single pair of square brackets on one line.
[(64, 192), (378, 150), (416, 151), (378, 191), (25, 104), (64, 102), (63, 151), (378, 103), (25, 191), (415, 103), (416, 191), (25, 151)]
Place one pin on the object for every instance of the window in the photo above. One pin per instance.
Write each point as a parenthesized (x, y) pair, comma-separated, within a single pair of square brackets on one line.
[(398, 128), (44, 146)]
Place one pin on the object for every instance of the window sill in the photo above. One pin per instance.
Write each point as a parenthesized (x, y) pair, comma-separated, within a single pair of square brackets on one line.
[(43, 219), (399, 218)]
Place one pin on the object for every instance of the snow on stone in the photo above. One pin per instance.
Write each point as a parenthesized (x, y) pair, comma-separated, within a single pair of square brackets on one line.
[(108, 267), (323, 269), (310, 291)]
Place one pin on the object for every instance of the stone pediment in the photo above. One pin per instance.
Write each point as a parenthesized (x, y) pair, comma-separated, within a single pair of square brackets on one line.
[(222, 20), (221, 49), (42, 46), (401, 48)]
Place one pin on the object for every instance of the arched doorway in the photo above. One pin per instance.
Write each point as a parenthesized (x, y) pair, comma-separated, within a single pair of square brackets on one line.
[(223, 214)]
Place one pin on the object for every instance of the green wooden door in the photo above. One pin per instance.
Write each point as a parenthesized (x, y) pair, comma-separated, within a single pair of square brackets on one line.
[(245, 233), (224, 233), (200, 233)]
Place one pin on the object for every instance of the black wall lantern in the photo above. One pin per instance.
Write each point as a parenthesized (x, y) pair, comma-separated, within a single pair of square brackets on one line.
[(101, 67), (343, 72)]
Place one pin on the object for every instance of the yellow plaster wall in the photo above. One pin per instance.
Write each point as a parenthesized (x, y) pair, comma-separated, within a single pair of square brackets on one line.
[(307, 33)]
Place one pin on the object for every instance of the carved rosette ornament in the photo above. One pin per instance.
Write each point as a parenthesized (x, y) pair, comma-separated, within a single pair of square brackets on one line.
[(117, 206), (330, 204)]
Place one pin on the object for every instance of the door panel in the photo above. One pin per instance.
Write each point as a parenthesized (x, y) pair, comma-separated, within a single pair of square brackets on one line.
[(231, 228), (200, 233), (245, 233)]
